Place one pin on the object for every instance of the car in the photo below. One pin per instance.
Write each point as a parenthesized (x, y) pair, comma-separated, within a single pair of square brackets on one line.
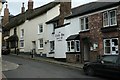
[(107, 65), (5, 50)]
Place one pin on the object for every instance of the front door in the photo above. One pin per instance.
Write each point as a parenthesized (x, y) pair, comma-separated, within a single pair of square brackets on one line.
[(33, 45), (86, 52)]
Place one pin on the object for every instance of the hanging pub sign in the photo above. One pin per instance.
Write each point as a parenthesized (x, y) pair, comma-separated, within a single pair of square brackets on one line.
[(59, 36)]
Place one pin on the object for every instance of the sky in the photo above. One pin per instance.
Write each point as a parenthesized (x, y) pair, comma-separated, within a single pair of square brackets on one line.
[(15, 5)]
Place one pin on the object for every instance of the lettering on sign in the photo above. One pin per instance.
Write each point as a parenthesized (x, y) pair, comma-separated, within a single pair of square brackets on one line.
[(59, 36)]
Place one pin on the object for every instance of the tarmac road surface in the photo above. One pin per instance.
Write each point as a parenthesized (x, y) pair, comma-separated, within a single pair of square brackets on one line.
[(40, 69)]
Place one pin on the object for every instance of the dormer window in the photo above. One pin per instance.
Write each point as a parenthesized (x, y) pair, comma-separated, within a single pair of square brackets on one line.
[(109, 18)]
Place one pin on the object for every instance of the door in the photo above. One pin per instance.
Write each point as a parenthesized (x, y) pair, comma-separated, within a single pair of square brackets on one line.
[(34, 46), (86, 52)]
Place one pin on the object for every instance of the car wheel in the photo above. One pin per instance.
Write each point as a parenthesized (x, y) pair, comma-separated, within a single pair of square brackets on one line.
[(90, 71)]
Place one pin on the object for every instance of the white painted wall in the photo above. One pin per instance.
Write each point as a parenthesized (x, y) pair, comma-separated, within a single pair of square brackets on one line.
[(50, 38), (31, 31), (71, 29), (53, 12)]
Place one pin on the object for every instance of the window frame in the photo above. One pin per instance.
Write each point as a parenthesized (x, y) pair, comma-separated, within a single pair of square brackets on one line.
[(40, 27), (109, 18), (84, 24), (69, 48), (52, 43), (22, 41), (76, 46), (39, 43), (22, 33), (111, 46)]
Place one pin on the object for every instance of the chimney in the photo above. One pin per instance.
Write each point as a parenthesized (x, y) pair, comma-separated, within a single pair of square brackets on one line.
[(65, 10), (6, 15), (23, 8), (30, 5)]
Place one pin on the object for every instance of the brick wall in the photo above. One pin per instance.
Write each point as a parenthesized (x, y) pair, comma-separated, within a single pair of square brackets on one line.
[(97, 36), (6, 15), (65, 10)]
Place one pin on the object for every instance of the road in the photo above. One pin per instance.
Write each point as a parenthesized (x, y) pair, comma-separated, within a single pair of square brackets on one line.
[(38, 69)]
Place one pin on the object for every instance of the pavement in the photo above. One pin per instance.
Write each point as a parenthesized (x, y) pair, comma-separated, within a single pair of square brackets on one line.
[(6, 65)]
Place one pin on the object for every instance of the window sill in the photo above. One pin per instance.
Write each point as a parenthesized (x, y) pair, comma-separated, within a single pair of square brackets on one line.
[(110, 25), (51, 52), (40, 48), (84, 31), (73, 52), (39, 33), (21, 47)]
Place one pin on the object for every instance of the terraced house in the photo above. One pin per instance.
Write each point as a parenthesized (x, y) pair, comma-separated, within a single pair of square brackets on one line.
[(90, 31), (55, 30), (27, 31), (99, 24)]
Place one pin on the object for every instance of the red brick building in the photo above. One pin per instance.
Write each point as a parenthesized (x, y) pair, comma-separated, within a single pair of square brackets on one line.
[(99, 29)]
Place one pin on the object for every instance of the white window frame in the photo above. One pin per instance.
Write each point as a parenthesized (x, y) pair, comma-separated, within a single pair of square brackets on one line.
[(114, 17), (84, 24), (22, 33), (39, 26), (39, 43), (53, 46), (22, 41), (75, 46), (109, 18), (110, 46)]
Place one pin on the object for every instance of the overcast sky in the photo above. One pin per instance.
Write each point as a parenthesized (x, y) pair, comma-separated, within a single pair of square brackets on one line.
[(15, 5)]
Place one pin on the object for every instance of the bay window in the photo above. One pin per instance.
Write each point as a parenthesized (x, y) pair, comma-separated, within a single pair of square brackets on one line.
[(73, 46)]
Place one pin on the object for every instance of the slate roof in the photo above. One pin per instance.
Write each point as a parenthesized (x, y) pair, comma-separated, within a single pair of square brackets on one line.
[(91, 7), (88, 8), (28, 15), (73, 37)]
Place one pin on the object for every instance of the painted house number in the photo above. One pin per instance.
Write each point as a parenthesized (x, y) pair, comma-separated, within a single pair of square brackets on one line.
[(59, 36)]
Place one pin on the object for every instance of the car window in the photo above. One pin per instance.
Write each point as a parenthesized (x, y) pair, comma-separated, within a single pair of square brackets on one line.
[(119, 61), (110, 59)]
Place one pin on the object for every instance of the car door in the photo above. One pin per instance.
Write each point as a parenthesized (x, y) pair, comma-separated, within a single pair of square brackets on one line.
[(117, 67), (109, 65)]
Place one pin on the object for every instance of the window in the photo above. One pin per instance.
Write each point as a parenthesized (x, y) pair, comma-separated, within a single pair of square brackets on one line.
[(109, 18), (52, 45), (68, 46), (22, 32), (77, 46), (84, 24), (21, 43), (40, 45), (73, 46), (110, 59), (40, 28), (15, 31), (111, 46)]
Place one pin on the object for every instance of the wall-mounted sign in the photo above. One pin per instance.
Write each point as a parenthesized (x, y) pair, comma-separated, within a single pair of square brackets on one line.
[(59, 36)]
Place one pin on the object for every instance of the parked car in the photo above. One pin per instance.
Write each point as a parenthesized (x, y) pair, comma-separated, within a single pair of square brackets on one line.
[(5, 50), (108, 65)]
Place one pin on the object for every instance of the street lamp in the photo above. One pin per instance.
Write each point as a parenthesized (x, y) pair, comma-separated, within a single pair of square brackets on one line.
[(1, 3)]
